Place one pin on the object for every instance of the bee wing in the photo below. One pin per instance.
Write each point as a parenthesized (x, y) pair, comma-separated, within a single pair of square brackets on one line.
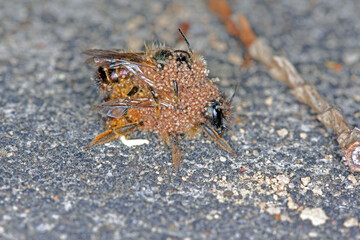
[(115, 58), (117, 107)]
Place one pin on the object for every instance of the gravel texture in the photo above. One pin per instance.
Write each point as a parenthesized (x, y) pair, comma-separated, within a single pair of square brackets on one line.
[(289, 180)]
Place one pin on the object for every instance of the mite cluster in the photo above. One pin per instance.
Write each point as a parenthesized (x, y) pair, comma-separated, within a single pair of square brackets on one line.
[(161, 90)]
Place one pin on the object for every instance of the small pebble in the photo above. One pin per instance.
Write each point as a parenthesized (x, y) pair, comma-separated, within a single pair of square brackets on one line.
[(317, 216), (317, 191), (351, 222), (256, 153), (352, 178), (305, 181), (303, 136), (273, 210), (269, 101), (282, 132), (350, 57), (356, 98), (291, 204), (283, 178), (235, 59), (313, 234)]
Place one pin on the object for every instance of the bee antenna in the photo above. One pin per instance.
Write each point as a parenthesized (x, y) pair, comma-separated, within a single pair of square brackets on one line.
[(235, 91), (187, 42)]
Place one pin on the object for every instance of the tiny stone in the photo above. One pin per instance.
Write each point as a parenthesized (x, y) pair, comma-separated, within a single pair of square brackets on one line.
[(317, 191), (273, 210), (222, 159), (284, 179), (352, 179), (256, 153), (234, 138), (306, 128), (209, 217), (350, 57), (356, 98), (282, 132), (269, 101), (303, 136), (317, 216), (291, 204), (285, 217), (62, 76), (305, 181), (235, 59), (351, 222), (313, 234)]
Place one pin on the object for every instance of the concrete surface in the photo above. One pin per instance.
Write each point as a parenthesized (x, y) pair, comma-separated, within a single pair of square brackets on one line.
[(288, 182)]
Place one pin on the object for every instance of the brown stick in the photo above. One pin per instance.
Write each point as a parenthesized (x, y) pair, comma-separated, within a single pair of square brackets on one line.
[(281, 69)]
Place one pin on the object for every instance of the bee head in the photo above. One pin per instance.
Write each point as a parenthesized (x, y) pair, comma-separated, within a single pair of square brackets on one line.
[(216, 115), (162, 55)]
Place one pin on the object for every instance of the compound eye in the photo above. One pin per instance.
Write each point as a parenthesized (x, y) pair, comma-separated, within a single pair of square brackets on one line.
[(182, 56), (216, 116)]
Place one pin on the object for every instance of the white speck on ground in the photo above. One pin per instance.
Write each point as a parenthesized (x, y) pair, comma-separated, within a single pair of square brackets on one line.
[(317, 216), (282, 132), (133, 142), (305, 181), (269, 101), (351, 222), (352, 179), (303, 136)]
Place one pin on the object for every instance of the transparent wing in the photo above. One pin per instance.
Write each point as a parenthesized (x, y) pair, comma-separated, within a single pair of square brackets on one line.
[(115, 58), (117, 107)]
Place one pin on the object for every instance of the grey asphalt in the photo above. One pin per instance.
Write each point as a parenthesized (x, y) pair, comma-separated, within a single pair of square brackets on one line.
[(288, 181)]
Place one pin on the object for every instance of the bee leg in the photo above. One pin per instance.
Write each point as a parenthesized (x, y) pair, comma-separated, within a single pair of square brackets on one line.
[(219, 140), (113, 133), (107, 73), (133, 91), (176, 151), (157, 106), (176, 91)]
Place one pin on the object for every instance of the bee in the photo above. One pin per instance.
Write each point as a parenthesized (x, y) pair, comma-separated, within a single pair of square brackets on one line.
[(160, 90)]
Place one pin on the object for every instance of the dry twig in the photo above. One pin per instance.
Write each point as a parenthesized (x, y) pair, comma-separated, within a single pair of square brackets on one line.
[(281, 69)]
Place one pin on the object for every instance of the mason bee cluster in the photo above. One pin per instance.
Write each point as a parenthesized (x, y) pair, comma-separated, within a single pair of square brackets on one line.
[(160, 90)]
